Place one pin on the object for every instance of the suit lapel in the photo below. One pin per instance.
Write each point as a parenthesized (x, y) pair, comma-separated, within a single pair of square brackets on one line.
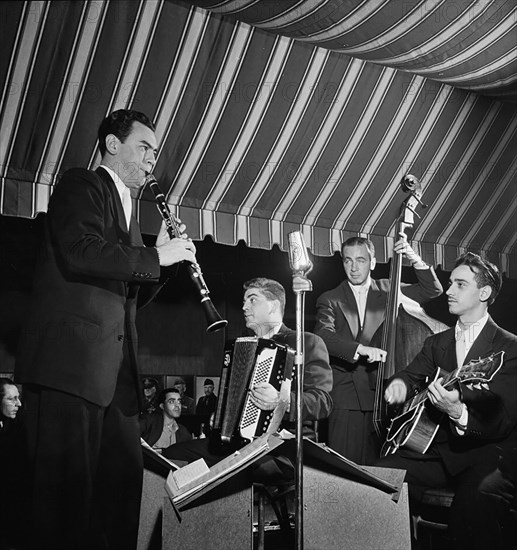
[(375, 311), (348, 307), (482, 345), (448, 361)]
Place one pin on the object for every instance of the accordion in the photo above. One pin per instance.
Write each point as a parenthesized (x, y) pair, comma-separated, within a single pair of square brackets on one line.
[(247, 362)]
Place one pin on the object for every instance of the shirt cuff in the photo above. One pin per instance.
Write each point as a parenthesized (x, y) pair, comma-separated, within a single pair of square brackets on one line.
[(461, 422)]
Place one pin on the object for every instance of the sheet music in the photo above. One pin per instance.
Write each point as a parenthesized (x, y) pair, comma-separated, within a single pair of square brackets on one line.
[(220, 471), (190, 473), (158, 456)]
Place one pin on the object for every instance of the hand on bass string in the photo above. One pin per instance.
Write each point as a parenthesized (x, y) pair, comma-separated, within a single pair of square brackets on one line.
[(403, 247), (372, 354)]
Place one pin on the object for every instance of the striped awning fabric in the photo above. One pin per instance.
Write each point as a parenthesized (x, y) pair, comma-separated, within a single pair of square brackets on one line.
[(273, 126), (468, 44)]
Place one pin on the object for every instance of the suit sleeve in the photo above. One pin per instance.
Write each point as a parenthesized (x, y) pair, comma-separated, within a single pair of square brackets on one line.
[(492, 410), (427, 287), (317, 381), (78, 226), (339, 343), (421, 371)]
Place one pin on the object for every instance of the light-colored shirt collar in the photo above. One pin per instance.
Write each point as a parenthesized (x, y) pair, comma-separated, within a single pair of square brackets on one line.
[(119, 184), (365, 286), (470, 330)]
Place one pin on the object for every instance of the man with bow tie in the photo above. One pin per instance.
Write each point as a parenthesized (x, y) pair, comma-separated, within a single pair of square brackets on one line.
[(477, 419)]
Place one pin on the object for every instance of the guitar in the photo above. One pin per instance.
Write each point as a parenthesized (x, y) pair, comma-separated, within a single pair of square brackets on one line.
[(415, 429)]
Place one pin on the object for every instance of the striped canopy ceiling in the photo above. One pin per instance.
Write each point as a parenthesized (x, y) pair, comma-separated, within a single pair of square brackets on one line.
[(278, 116)]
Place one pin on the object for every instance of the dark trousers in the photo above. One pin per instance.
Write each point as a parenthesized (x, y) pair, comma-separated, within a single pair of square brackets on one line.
[(86, 470), (474, 524), (352, 435)]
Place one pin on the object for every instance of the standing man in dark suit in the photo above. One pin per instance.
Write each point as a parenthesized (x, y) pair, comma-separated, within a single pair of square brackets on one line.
[(478, 420), (78, 349), (347, 318)]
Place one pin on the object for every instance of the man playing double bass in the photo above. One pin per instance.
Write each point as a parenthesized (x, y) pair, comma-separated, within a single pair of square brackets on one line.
[(347, 318), (477, 428)]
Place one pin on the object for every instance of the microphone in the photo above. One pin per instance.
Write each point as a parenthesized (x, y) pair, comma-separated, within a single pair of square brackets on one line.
[(298, 256)]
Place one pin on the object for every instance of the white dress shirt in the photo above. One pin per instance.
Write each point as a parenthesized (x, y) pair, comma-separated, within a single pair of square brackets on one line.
[(124, 193)]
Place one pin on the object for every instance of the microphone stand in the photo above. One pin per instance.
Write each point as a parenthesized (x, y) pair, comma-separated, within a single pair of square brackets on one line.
[(301, 284)]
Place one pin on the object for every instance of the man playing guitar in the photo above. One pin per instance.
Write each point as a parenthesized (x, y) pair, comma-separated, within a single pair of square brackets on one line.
[(473, 417)]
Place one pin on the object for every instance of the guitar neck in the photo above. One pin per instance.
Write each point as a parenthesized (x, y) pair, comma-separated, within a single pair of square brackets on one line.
[(448, 380)]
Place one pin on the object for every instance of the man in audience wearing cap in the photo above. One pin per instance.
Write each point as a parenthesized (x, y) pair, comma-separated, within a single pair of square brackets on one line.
[(150, 403), (206, 403), (188, 405)]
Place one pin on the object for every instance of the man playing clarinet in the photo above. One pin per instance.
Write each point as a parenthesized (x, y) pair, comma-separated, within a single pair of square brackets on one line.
[(77, 358)]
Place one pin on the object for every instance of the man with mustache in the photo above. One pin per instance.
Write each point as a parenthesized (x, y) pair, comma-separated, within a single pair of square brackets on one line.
[(475, 419)]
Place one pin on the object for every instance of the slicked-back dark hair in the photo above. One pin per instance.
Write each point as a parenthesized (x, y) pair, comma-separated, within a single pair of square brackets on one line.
[(271, 289), (485, 273), (120, 123), (4, 381), (163, 393)]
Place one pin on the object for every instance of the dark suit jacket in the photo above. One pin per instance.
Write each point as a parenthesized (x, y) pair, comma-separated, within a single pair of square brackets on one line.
[(206, 404), (337, 322), (317, 377), (492, 412), (85, 290), (151, 427)]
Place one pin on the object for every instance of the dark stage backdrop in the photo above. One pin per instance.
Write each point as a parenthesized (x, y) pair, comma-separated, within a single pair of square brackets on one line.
[(172, 335)]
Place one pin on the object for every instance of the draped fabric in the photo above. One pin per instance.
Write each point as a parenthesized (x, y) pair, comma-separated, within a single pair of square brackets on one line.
[(277, 116)]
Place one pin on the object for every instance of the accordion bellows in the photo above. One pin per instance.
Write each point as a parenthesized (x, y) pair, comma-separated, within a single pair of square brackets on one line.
[(247, 362)]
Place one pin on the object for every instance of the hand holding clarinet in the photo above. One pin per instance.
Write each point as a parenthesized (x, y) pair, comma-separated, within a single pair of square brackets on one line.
[(174, 246), (172, 251)]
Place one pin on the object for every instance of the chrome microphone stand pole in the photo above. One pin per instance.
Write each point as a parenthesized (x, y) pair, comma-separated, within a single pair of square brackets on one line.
[(300, 265), (300, 285)]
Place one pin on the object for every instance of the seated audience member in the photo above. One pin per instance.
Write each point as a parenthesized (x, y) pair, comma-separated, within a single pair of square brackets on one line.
[(475, 420), (150, 404), (188, 405), (161, 429), (263, 307), (13, 463)]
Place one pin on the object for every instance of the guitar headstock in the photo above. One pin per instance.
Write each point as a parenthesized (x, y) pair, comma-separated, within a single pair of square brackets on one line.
[(481, 370)]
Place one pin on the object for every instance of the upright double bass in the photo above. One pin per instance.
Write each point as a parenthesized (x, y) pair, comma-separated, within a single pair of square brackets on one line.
[(406, 324)]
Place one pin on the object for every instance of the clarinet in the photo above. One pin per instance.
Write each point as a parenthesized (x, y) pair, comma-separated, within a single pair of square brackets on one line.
[(214, 320)]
